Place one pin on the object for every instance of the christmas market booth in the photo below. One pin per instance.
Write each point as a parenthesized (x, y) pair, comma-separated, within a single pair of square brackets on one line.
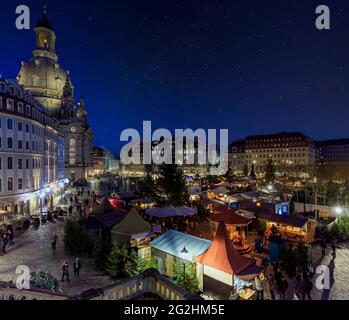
[(225, 270), (143, 203), (179, 218), (102, 219), (292, 227), (176, 247), (133, 230), (237, 228)]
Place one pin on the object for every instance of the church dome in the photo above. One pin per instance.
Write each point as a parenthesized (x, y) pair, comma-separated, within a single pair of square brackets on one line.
[(44, 23)]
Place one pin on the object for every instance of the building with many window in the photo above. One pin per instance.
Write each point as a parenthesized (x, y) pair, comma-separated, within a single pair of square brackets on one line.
[(289, 151), (31, 151)]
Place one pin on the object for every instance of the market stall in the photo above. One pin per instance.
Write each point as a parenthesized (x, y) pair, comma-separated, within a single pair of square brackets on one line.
[(291, 227)]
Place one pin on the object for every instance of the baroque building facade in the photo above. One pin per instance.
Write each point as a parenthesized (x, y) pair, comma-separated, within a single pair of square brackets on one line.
[(50, 84), (31, 152)]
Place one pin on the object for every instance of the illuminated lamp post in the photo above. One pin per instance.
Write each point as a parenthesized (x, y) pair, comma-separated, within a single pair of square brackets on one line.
[(184, 256)]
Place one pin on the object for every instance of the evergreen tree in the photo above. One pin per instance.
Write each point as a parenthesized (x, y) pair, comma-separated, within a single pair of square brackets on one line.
[(188, 279), (245, 172), (100, 254), (269, 171), (171, 187), (137, 263), (230, 176), (76, 241), (116, 262), (252, 172)]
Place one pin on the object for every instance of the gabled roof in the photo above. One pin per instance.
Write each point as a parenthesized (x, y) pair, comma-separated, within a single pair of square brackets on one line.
[(104, 207), (172, 242), (112, 218), (221, 255), (132, 224)]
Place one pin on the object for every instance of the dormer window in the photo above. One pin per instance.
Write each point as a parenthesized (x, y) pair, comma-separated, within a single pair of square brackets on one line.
[(35, 80)]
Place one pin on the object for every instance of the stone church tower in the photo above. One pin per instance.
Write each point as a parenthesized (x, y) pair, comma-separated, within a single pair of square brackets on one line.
[(52, 87)]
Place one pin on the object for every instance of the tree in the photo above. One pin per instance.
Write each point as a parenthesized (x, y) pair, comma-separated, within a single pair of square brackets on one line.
[(171, 187), (137, 263), (252, 172), (245, 171), (147, 186), (76, 241), (188, 279), (116, 262), (230, 176), (100, 254), (269, 171)]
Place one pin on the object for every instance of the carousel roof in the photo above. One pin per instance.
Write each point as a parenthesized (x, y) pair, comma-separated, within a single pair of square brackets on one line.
[(171, 212), (221, 255), (229, 217), (132, 224)]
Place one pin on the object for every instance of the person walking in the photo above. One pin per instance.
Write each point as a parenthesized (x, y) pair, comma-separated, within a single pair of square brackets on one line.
[(283, 288), (272, 287), (54, 241), (10, 237), (259, 287), (307, 287), (4, 243), (65, 271), (323, 247), (77, 266), (334, 246)]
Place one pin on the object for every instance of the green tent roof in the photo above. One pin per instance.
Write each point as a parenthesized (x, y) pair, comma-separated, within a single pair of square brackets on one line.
[(132, 224)]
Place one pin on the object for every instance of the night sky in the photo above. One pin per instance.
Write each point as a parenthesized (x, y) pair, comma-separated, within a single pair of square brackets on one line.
[(250, 66)]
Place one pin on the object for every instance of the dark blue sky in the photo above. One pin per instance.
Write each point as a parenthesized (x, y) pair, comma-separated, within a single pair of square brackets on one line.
[(247, 65)]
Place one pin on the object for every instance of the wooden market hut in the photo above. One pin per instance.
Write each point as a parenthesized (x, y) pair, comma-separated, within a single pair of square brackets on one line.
[(132, 230), (223, 268), (292, 227), (102, 219)]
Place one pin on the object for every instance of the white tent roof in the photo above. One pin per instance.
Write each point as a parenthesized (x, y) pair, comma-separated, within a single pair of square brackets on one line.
[(220, 190), (171, 212), (246, 214)]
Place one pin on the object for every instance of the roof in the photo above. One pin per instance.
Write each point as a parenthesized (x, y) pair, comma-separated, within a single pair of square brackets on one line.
[(229, 217), (104, 207), (172, 242), (132, 224), (44, 23), (294, 221), (112, 218), (221, 255), (334, 142), (171, 212)]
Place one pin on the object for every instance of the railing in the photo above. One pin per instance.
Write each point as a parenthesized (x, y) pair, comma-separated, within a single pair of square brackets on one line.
[(149, 282)]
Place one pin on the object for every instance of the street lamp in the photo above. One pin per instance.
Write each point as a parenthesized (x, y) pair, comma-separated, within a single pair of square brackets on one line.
[(184, 255), (338, 210)]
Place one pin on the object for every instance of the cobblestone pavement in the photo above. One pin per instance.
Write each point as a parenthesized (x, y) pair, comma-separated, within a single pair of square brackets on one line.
[(33, 249)]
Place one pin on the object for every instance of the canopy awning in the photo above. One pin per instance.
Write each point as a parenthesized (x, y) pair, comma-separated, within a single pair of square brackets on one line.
[(294, 221), (221, 255), (171, 212), (132, 224)]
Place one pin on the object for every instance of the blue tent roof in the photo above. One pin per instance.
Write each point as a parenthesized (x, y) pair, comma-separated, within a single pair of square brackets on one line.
[(173, 242)]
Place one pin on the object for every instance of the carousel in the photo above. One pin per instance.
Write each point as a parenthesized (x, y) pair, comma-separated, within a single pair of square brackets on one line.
[(237, 228)]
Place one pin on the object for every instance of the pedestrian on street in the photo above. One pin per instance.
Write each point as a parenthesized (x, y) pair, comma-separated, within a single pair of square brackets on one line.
[(334, 246), (70, 210), (272, 286), (54, 241), (65, 271), (307, 287), (10, 237), (259, 287), (323, 247), (77, 266), (4, 243), (283, 288)]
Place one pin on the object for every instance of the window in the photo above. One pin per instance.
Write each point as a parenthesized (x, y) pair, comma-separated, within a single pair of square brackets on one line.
[(0, 185), (20, 144), (72, 151), (20, 107), (9, 124), (20, 126), (20, 184), (27, 145), (2, 87), (27, 128), (10, 105), (12, 90), (1, 103), (27, 164), (9, 143), (35, 80), (10, 184), (20, 164), (9, 163)]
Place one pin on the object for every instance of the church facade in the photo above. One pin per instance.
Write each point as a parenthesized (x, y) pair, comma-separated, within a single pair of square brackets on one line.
[(51, 86)]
